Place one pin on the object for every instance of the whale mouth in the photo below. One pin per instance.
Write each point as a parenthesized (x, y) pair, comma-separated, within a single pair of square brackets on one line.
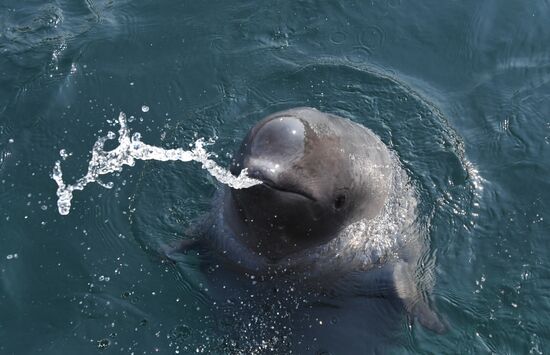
[(272, 186)]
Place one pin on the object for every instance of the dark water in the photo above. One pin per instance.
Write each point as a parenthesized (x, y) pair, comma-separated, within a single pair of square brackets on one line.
[(460, 90)]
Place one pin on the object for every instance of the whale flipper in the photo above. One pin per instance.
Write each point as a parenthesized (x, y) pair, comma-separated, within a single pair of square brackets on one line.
[(397, 281), (414, 298)]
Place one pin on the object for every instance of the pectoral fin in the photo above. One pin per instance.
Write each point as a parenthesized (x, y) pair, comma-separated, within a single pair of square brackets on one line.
[(415, 298), (193, 239)]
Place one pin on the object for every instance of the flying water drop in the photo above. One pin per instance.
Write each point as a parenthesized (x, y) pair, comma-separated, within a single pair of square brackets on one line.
[(130, 149)]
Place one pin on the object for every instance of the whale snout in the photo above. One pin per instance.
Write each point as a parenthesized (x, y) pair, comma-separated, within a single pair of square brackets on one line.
[(304, 200)]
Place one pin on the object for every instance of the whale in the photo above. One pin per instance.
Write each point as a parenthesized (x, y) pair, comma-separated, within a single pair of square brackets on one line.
[(333, 200)]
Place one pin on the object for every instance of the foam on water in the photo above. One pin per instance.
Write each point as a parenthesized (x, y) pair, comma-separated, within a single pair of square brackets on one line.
[(130, 149)]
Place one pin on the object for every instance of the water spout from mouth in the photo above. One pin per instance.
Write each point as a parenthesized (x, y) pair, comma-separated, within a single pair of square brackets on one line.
[(130, 149)]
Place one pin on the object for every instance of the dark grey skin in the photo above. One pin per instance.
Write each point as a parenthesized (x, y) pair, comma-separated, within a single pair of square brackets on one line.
[(310, 190), (329, 203)]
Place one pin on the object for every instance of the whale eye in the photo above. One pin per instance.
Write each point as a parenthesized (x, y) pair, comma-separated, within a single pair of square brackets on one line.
[(340, 201)]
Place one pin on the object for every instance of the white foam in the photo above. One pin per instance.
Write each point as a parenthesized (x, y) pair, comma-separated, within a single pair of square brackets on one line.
[(130, 149)]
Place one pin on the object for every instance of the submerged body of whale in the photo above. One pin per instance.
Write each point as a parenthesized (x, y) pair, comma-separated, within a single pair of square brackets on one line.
[(334, 201)]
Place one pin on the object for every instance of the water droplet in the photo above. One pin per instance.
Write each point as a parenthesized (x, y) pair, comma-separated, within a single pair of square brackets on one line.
[(131, 149), (103, 343), (63, 153), (181, 332)]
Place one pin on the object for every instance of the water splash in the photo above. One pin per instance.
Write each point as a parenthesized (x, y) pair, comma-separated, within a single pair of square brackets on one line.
[(130, 149)]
